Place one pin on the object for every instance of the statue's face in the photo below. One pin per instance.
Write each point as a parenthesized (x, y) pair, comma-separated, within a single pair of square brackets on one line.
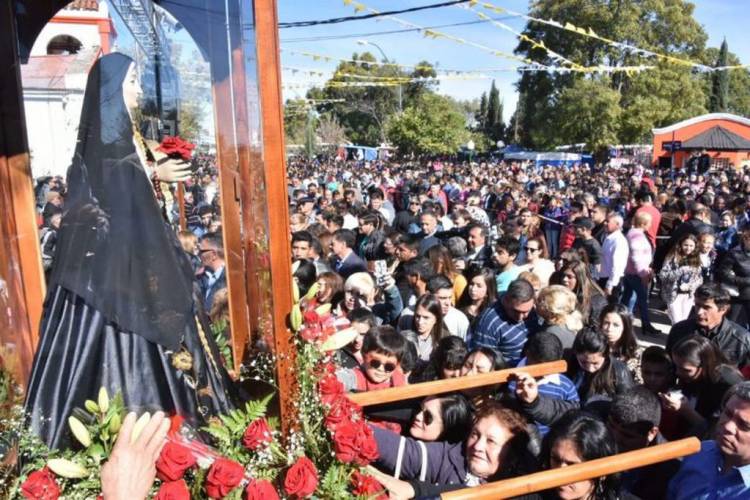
[(131, 88)]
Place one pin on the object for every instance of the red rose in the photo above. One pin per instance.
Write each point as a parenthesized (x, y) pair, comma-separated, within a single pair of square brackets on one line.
[(223, 477), (176, 147), (368, 447), (366, 486), (354, 442), (173, 490), (310, 333), (257, 434), (301, 478), (330, 388), (40, 485), (173, 461), (342, 410), (345, 442), (311, 317), (260, 490)]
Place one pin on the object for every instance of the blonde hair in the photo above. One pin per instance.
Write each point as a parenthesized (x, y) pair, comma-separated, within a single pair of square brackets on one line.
[(642, 219), (188, 241), (532, 278), (363, 283), (557, 305)]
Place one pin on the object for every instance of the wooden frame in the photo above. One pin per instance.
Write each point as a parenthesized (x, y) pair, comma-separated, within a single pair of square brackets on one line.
[(22, 285), (553, 478), (453, 384)]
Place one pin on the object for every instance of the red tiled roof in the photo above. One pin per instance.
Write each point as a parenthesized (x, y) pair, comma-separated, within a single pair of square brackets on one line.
[(83, 5), (46, 72)]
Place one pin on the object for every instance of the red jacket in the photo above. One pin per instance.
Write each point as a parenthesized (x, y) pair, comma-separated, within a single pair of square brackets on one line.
[(567, 237), (364, 384)]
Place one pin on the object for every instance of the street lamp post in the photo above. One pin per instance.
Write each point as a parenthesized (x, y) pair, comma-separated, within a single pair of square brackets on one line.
[(470, 146), (385, 58)]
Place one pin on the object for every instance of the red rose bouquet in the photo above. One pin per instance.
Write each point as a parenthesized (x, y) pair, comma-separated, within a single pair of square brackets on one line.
[(175, 147)]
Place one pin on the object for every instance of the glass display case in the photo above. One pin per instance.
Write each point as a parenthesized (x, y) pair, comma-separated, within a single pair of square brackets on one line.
[(200, 66)]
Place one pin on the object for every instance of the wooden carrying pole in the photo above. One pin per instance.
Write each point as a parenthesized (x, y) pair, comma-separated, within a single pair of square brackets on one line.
[(553, 478), (453, 384)]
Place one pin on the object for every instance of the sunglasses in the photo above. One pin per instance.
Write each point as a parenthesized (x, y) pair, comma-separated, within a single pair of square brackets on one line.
[(529, 249), (427, 417), (375, 364)]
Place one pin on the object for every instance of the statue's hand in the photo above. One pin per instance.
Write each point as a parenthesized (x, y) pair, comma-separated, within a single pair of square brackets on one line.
[(173, 170)]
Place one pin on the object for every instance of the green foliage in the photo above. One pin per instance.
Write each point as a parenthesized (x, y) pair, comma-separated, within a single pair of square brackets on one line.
[(414, 90), (335, 483), (493, 125), (219, 331), (432, 125), (590, 112), (719, 98), (738, 82), (645, 100), (295, 121)]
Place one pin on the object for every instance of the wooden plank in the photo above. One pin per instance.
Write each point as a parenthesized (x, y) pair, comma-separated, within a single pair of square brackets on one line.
[(267, 38), (553, 478), (22, 289), (453, 384)]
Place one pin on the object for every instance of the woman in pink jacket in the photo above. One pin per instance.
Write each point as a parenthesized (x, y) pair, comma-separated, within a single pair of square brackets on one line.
[(638, 271)]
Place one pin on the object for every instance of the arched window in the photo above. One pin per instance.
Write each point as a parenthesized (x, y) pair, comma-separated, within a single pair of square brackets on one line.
[(63, 44)]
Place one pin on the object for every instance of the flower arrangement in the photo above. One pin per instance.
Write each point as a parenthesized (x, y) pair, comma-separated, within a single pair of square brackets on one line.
[(323, 457), (176, 147)]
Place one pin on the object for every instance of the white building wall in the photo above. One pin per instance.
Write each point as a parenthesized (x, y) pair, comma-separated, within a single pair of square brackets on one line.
[(52, 127)]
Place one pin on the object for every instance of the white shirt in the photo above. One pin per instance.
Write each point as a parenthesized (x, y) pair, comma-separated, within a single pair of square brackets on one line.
[(454, 320), (614, 258)]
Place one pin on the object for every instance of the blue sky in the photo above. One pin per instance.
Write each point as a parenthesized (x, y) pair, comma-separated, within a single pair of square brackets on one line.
[(720, 18)]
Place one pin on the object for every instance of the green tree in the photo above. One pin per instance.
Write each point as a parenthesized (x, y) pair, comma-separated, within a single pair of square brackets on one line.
[(434, 124), (738, 92), (494, 125), (295, 120), (591, 111), (413, 90), (664, 26), (481, 116), (363, 110), (719, 99)]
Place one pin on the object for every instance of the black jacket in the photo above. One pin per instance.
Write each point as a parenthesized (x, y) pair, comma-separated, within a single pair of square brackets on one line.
[(734, 271), (732, 339)]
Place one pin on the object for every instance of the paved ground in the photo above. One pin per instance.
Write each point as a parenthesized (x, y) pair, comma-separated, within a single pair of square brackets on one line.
[(660, 320)]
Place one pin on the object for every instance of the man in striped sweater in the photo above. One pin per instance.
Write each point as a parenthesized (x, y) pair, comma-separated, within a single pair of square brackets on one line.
[(505, 326)]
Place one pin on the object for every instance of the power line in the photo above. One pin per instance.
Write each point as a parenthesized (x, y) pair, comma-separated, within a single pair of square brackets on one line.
[(389, 32), (336, 20)]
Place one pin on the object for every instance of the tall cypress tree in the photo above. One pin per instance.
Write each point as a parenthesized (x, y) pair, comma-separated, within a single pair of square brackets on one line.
[(719, 100), (493, 109), (482, 114)]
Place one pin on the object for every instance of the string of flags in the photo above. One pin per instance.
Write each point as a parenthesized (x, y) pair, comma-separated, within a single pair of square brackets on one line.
[(536, 66), (590, 33)]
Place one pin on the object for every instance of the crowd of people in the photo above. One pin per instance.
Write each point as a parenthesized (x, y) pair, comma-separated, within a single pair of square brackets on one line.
[(453, 269)]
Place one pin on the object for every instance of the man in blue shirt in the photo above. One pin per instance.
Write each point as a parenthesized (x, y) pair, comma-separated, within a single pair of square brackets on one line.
[(505, 326), (721, 470)]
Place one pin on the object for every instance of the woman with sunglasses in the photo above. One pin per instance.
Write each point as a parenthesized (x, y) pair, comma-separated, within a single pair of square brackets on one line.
[(442, 418), (537, 261), (359, 291)]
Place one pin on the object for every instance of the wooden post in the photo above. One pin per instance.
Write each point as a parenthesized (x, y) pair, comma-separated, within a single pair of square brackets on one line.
[(269, 70), (553, 478), (452, 384), (22, 285), (181, 205)]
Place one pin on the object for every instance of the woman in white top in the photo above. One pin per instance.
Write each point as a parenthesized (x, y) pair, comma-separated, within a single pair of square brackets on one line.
[(537, 261)]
